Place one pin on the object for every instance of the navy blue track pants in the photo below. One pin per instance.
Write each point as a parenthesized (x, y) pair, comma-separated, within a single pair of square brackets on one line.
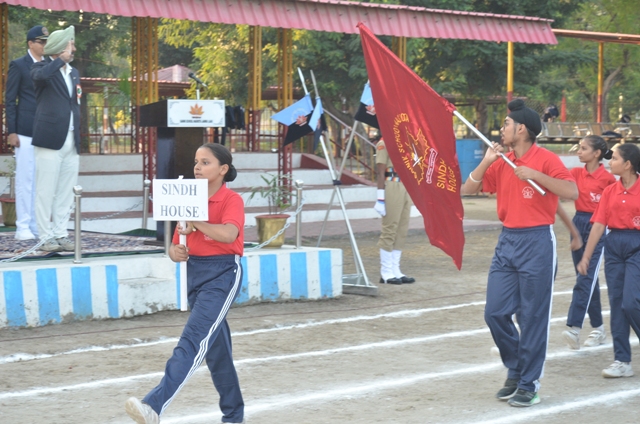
[(622, 269), (521, 281), (586, 292), (213, 283)]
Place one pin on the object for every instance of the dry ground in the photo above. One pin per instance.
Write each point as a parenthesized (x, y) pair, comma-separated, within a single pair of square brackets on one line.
[(414, 354)]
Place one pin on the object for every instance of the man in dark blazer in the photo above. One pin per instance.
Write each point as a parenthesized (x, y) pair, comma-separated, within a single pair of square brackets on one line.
[(20, 98), (56, 137)]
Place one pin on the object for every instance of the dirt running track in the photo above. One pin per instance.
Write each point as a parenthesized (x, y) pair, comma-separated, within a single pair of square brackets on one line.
[(415, 354)]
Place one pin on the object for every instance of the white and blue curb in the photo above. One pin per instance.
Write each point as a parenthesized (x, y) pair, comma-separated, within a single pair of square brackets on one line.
[(37, 293)]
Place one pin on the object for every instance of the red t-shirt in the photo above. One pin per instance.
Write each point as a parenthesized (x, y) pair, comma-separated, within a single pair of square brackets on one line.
[(591, 186), (225, 207), (619, 208), (519, 204)]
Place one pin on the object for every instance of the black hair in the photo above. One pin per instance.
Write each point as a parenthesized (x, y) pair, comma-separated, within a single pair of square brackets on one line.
[(630, 152), (597, 143), (224, 157)]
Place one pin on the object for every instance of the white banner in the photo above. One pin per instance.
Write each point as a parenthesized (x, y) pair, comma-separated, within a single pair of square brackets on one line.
[(181, 200), (195, 113)]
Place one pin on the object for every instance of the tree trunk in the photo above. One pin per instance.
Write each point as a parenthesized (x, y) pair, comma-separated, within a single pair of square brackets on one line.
[(481, 116), (606, 87)]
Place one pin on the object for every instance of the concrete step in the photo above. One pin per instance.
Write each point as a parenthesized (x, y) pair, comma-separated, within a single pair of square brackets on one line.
[(253, 177), (111, 163), (110, 181), (112, 191), (107, 201), (316, 212), (114, 222), (311, 212), (266, 160), (320, 194)]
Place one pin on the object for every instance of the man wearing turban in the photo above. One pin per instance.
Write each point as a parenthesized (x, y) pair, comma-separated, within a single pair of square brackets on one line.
[(524, 264), (56, 137)]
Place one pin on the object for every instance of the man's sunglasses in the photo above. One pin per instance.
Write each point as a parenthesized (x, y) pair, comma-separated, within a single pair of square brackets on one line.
[(43, 42)]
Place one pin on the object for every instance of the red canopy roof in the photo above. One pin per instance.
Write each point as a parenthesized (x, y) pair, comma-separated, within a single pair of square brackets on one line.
[(325, 15)]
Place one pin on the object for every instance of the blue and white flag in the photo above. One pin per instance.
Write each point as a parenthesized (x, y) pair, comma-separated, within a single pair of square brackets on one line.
[(296, 117), (315, 116), (367, 111)]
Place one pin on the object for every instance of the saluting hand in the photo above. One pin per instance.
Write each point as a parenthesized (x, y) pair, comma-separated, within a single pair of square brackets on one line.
[(67, 53)]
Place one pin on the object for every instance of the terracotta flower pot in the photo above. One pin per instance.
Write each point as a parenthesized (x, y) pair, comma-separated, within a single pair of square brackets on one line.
[(8, 211), (268, 226)]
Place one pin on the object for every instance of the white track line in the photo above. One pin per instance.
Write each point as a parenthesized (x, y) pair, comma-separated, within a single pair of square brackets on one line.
[(535, 413), (249, 361), (407, 313), (362, 389)]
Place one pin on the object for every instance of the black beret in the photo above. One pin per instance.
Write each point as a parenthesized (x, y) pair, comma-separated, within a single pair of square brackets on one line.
[(38, 32), (524, 115)]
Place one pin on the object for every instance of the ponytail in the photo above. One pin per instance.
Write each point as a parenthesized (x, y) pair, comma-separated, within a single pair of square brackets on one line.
[(224, 157), (597, 143)]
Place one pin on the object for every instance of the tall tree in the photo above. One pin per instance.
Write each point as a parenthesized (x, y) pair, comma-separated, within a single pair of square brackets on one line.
[(102, 42), (477, 69), (621, 76)]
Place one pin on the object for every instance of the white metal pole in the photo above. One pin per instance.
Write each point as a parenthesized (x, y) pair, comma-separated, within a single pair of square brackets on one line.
[(183, 269), (333, 194), (488, 143), (356, 251), (77, 190)]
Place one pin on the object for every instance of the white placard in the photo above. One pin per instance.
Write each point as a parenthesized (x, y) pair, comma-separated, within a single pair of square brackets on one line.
[(181, 200), (195, 113)]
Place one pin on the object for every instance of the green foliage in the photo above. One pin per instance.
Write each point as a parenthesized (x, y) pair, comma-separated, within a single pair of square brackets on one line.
[(103, 42), (622, 76), (219, 55), (473, 70), (276, 192)]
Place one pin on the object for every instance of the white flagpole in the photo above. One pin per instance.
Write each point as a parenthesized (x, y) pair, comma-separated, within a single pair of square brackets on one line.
[(504, 157), (183, 269), (354, 244), (302, 81)]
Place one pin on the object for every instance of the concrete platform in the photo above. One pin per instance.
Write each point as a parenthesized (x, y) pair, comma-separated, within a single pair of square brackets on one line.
[(40, 292)]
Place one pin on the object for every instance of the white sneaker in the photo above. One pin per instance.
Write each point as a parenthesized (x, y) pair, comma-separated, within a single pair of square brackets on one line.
[(618, 369), (66, 244), (51, 246), (596, 338), (572, 338), (141, 412)]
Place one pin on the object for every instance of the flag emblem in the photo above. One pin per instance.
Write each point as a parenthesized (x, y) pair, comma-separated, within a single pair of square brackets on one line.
[(418, 128), (301, 120), (371, 109)]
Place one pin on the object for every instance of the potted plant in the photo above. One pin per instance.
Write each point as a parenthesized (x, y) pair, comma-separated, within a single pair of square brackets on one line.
[(9, 201), (276, 191)]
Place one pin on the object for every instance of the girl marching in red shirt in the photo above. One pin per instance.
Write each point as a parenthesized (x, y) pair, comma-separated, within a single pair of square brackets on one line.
[(619, 210), (591, 180), (214, 276)]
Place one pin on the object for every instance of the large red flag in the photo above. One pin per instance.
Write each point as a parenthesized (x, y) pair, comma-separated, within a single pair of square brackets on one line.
[(417, 126)]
